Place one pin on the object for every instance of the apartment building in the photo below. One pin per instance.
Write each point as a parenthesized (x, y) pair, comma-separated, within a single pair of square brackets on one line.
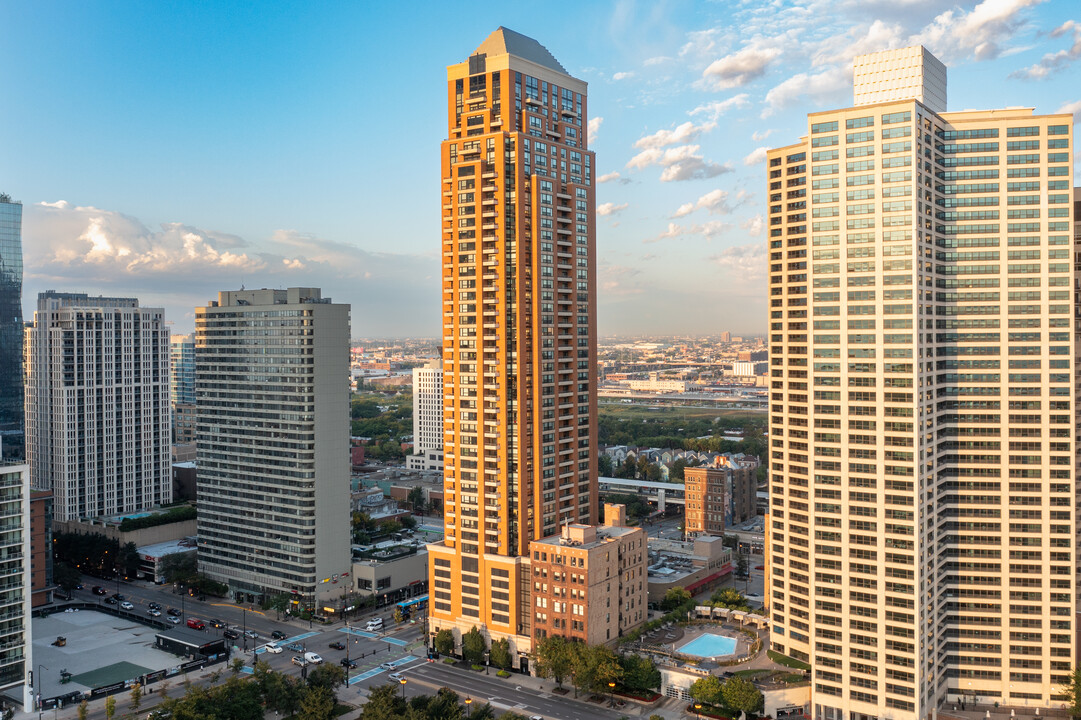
[(519, 330), (272, 409), (97, 405), (16, 641), (922, 378), (427, 417), (589, 582), (182, 387)]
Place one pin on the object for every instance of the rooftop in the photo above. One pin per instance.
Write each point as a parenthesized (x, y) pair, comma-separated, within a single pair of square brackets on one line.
[(508, 42)]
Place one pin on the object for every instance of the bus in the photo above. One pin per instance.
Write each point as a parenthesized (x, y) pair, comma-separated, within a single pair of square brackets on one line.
[(416, 605)]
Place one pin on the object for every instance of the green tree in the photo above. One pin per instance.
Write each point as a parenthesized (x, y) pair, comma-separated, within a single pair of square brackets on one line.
[(743, 566), (278, 603), (729, 598), (708, 690), (674, 598), (136, 698), (500, 654), (66, 576), (676, 472), (416, 499), (384, 703), (327, 676), (553, 657), (444, 642), (473, 647), (434, 507), (741, 694), (110, 708), (604, 466), (594, 667), (180, 567), (236, 665), (1071, 692), (445, 704), (129, 559), (639, 673), (316, 703), (84, 709)]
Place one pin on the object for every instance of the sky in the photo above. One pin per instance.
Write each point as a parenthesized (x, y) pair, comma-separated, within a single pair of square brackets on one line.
[(172, 150)]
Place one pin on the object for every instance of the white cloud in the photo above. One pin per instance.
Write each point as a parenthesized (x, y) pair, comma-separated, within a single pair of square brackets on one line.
[(608, 177), (618, 279), (979, 33), (623, 75), (754, 226), (659, 60), (683, 162), (708, 230), (758, 155), (760, 135), (716, 201), (826, 84), (715, 109), (1053, 62), (747, 262), (610, 209), (1073, 108), (594, 126), (739, 68), (683, 133)]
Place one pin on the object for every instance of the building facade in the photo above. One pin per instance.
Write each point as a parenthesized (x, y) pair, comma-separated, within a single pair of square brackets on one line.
[(16, 643), (41, 547), (97, 405), (589, 582), (705, 498), (182, 387), (921, 406), (427, 418), (519, 338), (11, 326), (272, 400)]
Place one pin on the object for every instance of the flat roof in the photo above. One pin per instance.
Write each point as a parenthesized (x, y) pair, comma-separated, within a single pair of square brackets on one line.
[(168, 548), (642, 483)]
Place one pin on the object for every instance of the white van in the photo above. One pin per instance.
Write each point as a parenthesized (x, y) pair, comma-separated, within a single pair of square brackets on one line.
[(374, 625), (312, 658)]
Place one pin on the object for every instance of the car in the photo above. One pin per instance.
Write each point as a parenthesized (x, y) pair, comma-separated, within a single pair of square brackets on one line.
[(374, 625), (251, 634), (387, 666), (110, 601), (196, 624), (337, 645), (272, 648), (396, 677), (173, 619), (153, 612), (126, 605), (174, 611), (536, 717), (154, 606), (759, 567), (216, 623), (278, 635), (98, 590), (295, 647), (118, 597), (348, 663), (230, 634), (313, 658), (297, 660)]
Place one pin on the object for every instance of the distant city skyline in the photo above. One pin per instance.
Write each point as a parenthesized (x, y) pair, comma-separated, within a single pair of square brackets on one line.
[(218, 147)]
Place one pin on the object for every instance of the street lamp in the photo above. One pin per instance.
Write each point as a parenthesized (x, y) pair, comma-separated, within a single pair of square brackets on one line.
[(698, 710), (468, 710), (612, 694), (40, 685), (244, 610), (402, 681)]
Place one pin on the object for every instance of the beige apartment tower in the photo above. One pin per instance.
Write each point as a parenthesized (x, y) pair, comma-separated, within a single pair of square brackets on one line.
[(272, 414), (519, 330), (922, 420)]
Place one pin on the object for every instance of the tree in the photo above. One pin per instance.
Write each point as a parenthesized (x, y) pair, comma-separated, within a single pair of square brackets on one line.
[(434, 507), (1071, 692), (445, 704), (84, 709), (129, 560), (316, 703), (110, 707), (743, 566), (384, 703), (729, 598), (278, 603), (594, 667), (398, 615), (676, 473), (136, 698), (604, 466), (708, 690), (180, 568), (500, 654), (66, 576), (236, 665), (416, 499), (473, 647), (553, 657), (639, 673), (444, 642), (327, 676), (741, 694), (674, 598)]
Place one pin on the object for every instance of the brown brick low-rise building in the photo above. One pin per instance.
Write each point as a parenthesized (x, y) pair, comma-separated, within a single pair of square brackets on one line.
[(589, 582), (705, 500)]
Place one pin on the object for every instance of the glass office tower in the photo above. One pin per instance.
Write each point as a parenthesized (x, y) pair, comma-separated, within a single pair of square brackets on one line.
[(11, 322)]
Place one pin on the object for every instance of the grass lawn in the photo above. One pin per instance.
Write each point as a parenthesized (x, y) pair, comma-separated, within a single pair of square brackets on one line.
[(787, 661)]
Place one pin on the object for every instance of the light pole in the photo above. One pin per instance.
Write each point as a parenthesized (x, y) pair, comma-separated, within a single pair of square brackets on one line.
[(402, 682), (41, 684), (612, 694), (468, 709), (698, 710), (244, 610)]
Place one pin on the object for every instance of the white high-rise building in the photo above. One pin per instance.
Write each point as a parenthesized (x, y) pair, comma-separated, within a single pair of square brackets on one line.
[(97, 405), (272, 419), (16, 642), (428, 407), (922, 533)]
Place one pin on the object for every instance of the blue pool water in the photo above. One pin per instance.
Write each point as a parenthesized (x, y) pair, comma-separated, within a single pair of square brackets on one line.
[(709, 645)]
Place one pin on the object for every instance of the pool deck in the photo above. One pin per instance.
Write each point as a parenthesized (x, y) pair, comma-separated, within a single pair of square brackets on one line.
[(710, 645)]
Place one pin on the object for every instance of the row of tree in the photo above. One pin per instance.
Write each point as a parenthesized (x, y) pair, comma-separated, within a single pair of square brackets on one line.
[(386, 703), (592, 667), (732, 696)]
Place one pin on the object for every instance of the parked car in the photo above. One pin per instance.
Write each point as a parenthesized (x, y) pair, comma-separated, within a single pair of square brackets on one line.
[(272, 648), (313, 658), (196, 624), (126, 605), (98, 590), (337, 645), (278, 635), (297, 660), (348, 663), (153, 613)]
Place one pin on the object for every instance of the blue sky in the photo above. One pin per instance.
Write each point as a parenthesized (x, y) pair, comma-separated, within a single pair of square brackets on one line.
[(171, 150)]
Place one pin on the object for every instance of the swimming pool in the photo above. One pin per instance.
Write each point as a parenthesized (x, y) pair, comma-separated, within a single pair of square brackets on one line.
[(709, 645)]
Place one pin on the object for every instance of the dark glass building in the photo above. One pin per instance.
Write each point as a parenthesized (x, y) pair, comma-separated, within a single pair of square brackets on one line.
[(11, 325)]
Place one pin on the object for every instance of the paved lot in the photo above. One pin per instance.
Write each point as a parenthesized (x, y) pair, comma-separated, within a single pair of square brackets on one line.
[(95, 641)]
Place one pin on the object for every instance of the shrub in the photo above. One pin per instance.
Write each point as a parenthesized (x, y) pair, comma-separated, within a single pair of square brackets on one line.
[(503, 674)]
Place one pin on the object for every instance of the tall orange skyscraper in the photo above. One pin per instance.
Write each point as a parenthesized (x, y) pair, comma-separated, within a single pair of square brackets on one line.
[(519, 330)]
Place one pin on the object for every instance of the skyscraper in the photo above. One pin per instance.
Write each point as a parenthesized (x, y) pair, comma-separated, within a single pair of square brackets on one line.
[(182, 387), (428, 407), (921, 412), (16, 643), (97, 405), (272, 418), (11, 322), (519, 330)]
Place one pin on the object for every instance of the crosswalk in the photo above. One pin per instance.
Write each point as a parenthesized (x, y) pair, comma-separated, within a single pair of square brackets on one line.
[(399, 664)]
